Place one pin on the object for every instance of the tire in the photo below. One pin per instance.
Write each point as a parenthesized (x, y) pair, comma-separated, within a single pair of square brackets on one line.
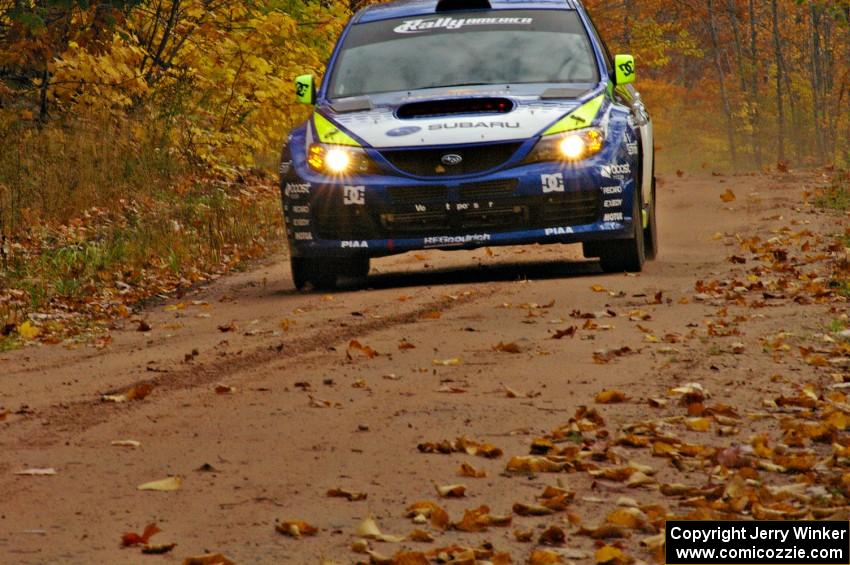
[(650, 232), (326, 273), (622, 255)]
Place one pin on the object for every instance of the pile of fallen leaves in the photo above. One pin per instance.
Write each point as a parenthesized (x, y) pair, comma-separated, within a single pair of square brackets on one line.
[(59, 281)]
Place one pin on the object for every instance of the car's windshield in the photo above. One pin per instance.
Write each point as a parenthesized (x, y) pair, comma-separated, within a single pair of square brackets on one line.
[(471, 48)]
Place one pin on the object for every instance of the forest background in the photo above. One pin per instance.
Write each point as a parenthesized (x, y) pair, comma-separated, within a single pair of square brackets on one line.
[(139, 138)]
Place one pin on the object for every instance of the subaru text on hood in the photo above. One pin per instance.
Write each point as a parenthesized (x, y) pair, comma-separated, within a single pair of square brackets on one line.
[(457, 124)]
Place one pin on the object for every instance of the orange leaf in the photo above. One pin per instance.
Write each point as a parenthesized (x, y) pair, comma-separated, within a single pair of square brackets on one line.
[(131, 538), (610, 397)]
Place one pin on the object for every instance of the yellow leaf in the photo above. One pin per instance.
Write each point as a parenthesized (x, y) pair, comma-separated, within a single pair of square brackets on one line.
[(610, 397), (728, 196), (611, 554), (698, 424), (164, 485), (28, 331)]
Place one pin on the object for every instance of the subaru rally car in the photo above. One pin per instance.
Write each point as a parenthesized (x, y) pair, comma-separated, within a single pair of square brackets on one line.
[(456, 124)]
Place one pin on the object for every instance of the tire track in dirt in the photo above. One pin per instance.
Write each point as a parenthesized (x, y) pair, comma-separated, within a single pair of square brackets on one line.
[(79, 416)]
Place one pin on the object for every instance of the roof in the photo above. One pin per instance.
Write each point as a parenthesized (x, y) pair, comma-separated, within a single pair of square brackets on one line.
[(407, 8)]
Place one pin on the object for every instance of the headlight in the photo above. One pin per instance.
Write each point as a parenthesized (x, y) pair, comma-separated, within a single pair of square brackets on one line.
[(338, 160), (571, 146)]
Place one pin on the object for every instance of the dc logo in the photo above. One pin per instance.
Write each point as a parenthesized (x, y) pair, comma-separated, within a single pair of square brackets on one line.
[(354, 195), (628, 69), (552, 183), (301, 88)]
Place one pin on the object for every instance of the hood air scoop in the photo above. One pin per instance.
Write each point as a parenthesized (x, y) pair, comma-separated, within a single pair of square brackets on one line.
[(454, 106)]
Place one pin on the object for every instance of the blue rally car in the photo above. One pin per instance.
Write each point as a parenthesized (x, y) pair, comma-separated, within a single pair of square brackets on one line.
[(455, 124)]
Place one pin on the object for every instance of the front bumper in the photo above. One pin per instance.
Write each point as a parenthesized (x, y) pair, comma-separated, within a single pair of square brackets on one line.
[(382, 215)]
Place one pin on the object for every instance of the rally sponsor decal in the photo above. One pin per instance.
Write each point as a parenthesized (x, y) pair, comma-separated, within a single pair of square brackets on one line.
[(474, 125), (354, 195), (615, 171), (617, 203), (449, 23), (456, 240), (559, 231), (614, 217), (354, 244), (552, 183), (293, 189)]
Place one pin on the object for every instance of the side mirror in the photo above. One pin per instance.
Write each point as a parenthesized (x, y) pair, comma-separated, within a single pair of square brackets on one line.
[(305, 89), (624, 69)]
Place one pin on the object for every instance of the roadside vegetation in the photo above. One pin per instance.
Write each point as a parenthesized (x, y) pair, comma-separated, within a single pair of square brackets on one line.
[(138, 138)]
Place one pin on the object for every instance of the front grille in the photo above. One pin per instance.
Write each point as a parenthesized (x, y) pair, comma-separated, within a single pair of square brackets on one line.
[(428, 162), (412, 224), (570, 209), (512, 214), (489, 190), (418, 194)]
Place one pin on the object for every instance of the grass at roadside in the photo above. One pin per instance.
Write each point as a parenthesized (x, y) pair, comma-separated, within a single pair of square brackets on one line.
[(95, 218), (837, 196)]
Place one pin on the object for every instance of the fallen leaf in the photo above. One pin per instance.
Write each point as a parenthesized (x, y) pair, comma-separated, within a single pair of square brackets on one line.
[(479, 519), (451, 491), (609, 554), (405, 345), (126, 443), (364, 350), (507, 348), (432, 315), (728, 196), (132, 538), (158, 549), (610, 397), (532, 464), (296, 528), (368, 529), (46, 472), (531, 510), (698, 424), (598, 288), (420, 536), (138, 392), (467, 470), (28, 331), (209, 559), (553, 535), (544, 557), (426, 511), (163, 485), (454, 361), (509, 392), (352, 496), (224, 389), (569, 332), (226, 328)]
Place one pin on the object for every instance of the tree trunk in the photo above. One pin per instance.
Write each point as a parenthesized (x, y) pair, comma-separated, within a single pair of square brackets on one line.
[(727, 108), (755, 79), (817, 81), (780, 103)]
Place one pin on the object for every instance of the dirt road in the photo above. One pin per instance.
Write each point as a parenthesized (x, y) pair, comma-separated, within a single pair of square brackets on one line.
[(310, 413)]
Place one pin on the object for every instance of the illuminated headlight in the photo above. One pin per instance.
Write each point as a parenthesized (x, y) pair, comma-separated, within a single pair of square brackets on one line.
[(338, 160), (571, 146)]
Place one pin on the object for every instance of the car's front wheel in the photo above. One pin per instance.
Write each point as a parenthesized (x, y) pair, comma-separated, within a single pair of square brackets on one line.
[(622, 255), (650, 232), (326, 273)]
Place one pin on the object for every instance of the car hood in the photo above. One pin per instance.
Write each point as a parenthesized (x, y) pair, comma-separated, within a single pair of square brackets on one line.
[(380, 126)]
